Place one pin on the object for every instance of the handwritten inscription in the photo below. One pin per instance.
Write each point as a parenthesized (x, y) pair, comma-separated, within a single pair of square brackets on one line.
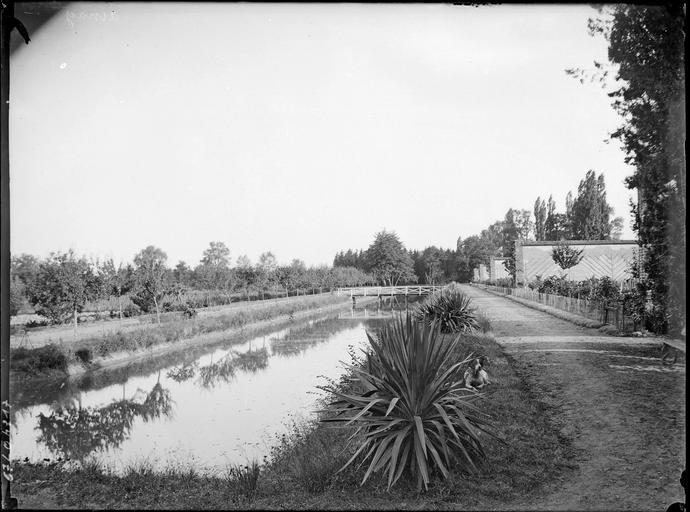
[(6, 468), (93, 16)]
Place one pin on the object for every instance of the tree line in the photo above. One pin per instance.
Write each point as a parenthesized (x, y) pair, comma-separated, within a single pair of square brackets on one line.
[(390, 263), (646, 55), (60, 286), (587, 216)]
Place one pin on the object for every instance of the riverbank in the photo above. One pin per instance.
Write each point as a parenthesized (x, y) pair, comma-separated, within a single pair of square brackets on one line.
[(117, 349), (302, 469)]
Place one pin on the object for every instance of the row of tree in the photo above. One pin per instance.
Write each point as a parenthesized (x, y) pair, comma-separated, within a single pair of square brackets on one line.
[(587, 216), (61, 285), (646, 56), (390, 263)]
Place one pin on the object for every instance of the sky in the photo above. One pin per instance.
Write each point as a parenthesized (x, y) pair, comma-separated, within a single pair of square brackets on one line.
[(300, 129)]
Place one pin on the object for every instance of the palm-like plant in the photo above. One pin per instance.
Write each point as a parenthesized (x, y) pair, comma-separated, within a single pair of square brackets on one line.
[(410, 408), (451, 309)]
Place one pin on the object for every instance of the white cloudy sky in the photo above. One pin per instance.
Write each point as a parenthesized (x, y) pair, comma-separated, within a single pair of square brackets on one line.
[(300, 129)]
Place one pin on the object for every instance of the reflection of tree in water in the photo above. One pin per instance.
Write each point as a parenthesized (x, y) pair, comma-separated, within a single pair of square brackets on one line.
[(212, 374), (251, 361), (224, 370), (301, 339), (76, 432), (183, 373)]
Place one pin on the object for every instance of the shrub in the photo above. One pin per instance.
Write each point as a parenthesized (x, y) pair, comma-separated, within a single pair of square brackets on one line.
[(36, 323), (84, 355), (131, 310), (505, 282), (48, 357), (451, 309), (413, 416), (606, 292)]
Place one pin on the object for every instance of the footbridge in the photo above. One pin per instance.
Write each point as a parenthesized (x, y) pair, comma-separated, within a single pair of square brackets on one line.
[(387, 291)]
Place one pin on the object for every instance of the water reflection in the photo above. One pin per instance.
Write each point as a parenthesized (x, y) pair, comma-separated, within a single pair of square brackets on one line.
[(296, 341), (252, 361), (183, 373), (215, 373), (250, 391), (77, 432), (222, 371)]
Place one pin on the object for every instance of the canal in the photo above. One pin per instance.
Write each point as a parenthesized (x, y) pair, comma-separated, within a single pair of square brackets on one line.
[(207, 409)]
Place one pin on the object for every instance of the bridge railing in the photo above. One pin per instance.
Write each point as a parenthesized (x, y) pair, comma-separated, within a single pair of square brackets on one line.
[(373, 291)]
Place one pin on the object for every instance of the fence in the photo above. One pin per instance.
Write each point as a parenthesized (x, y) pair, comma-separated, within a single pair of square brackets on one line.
[(587, 308)]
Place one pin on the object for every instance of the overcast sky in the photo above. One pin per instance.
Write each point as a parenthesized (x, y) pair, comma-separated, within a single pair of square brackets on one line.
[(300, 129)]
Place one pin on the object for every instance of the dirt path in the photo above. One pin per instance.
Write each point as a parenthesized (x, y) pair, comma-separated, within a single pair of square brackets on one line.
[(620, 407)]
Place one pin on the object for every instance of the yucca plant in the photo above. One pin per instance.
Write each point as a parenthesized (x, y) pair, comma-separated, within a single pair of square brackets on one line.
[(451, 309), (411, 409)]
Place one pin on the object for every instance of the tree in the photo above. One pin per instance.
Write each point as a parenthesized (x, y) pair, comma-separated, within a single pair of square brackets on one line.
[(324, 277), (245, 274), (540, 214), (213, 272), (182, 274), (478, 249), (17, 295), (616, 228), (431, 259), (551, 230), (565, 256), (62, 287), (265, 272), (122, 281), (389, 261), (217, 255), (517, 226), (151, 277), (23, 270), (590, 210), (646, 49), (24, 267), (299, 273)]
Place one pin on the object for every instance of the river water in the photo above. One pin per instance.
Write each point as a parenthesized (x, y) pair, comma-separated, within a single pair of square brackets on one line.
[(225, 404)]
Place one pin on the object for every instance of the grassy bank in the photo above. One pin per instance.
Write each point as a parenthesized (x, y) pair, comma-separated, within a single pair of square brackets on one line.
[(302, 469), (57, 357)]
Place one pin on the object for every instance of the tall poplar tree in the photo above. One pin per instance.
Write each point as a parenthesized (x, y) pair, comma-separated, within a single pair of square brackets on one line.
[(646, 49)]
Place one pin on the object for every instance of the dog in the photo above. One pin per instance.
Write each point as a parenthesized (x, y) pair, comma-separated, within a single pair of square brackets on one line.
[(475, 376)]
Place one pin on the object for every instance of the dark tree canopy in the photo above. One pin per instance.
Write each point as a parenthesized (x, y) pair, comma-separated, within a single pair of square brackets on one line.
[(389, 262), (590, 210), (646, 44)]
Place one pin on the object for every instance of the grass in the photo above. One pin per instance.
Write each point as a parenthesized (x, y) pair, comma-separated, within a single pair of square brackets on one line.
[(302, 470), (244, 480), (53, 357)]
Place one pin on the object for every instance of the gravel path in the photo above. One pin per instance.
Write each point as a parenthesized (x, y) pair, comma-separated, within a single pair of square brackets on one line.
[(622, 409)]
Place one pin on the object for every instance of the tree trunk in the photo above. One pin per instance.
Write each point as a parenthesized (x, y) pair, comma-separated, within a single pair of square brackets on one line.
[(75, 324), (119, 302), (158, 313)]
